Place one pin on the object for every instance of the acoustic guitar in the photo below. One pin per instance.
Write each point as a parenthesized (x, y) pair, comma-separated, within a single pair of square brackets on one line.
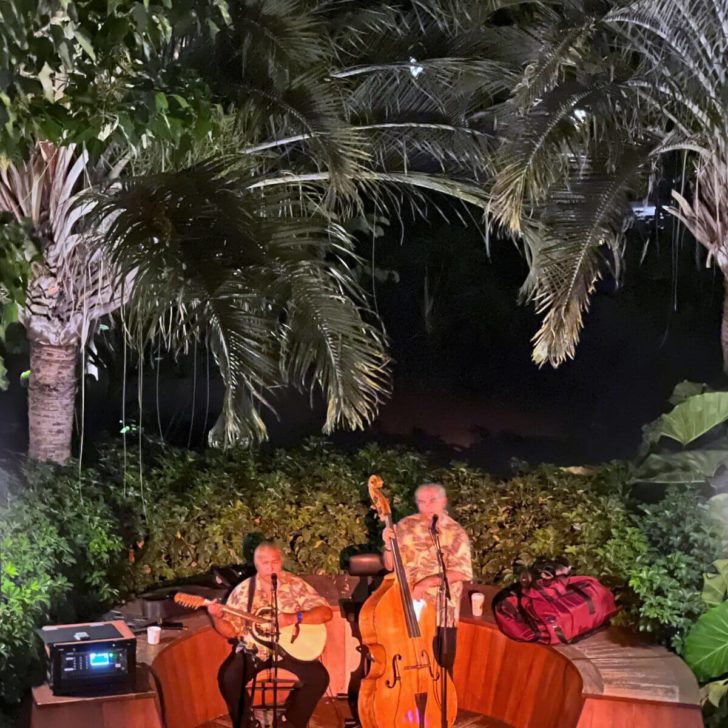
[(303, 642)]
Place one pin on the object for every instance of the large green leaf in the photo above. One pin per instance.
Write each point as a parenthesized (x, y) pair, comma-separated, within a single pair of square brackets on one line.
[(714, 692), (706, 646), (682, 467), (718, 512), (715, 586), (685, 389), (690, 419)]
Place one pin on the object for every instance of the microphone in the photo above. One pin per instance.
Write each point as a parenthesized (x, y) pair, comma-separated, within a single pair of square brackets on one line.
[(433, 525), (274, 580)]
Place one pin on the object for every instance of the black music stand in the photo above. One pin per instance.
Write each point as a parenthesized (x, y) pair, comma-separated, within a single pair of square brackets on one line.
[(443, 599), (275, 653)]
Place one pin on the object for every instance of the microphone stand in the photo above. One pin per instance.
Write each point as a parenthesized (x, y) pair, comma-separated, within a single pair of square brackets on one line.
[(443, 598), (276, 640)]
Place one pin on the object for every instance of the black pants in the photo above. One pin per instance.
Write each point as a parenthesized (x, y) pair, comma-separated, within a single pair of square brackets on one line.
[(240, 667)]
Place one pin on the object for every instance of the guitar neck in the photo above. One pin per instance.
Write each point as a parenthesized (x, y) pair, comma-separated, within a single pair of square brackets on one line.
[(247, 616)]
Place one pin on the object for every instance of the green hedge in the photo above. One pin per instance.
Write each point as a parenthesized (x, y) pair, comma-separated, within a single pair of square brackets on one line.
[(60, 555), (73, 545)]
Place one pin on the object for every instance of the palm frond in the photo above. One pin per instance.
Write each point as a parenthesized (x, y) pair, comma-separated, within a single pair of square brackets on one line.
[(580, 221), (72, 285), (685, 44), (226, 258), (328, 341), (706, 215)]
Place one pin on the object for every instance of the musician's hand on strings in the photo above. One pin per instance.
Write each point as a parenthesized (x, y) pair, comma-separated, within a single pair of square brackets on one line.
[(387, 536), (220, 622), (214, 609)]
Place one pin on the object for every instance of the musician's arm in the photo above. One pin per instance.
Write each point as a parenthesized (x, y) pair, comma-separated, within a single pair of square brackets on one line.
[(453, 577), (317, 615), (219, 623), (223, 627)]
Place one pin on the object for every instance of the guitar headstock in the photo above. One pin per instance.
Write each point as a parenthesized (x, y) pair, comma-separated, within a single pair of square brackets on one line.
[(191, 601), (379, 500)]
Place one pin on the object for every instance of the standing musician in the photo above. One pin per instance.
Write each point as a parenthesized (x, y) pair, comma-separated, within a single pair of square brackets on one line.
[(419, 556), (298, 603)]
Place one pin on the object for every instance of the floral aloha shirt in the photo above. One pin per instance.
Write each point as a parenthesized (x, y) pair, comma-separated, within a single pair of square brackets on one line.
[(294, 595), (420, 558)]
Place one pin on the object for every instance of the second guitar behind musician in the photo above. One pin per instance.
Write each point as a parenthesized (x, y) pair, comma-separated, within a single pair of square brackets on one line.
[(298, 602), (420, 560)]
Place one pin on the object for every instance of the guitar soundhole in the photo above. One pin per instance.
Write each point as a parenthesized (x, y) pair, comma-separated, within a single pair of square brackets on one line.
[(264, 630)]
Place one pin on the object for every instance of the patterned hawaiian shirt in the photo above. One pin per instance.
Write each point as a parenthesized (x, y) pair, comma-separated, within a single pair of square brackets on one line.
[(294, 595), (420, 558)]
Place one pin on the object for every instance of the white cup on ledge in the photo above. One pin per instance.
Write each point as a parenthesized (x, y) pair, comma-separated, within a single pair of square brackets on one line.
[(154, 634), (477, 600)]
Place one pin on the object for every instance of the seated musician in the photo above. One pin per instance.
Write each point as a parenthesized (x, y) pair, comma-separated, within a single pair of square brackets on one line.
[(298, 603), (419, 557)]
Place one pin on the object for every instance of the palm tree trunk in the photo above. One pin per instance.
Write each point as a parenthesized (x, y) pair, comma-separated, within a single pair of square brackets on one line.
[(51, 401)]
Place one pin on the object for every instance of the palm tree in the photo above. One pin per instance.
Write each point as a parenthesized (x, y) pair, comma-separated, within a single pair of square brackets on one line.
[(323, 110), (70, 288), (610, 90)]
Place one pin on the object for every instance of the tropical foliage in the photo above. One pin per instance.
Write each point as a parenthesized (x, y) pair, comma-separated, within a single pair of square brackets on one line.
[(327, 109), (99, 74), (705, 645), (698, 416), (18, 250), (58, 284), (611, 91), (266, 279), (316, 112), (300, 150)]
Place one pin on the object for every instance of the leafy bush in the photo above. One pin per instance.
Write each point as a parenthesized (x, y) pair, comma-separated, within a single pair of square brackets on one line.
[(706, 645), (667, 578), (32, 554), (59, 551)]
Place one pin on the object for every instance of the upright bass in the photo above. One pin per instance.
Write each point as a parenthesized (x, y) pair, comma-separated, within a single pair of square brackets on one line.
[(402, 687)]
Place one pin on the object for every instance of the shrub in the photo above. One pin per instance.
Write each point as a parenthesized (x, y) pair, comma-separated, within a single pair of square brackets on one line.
[(667, 579), (59, 551), (32, 553)]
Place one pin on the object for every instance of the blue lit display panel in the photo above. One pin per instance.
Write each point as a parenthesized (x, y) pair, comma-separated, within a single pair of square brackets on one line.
[(100, 659)]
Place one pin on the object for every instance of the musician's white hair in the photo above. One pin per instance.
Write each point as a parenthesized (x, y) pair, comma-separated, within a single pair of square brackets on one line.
[(431, 486), (266, 546)]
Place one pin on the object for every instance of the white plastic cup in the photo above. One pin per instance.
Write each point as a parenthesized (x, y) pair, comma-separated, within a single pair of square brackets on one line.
[(154, 634), (476, 603)]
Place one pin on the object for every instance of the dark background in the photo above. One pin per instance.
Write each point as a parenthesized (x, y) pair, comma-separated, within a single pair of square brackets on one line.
[(464, 383)]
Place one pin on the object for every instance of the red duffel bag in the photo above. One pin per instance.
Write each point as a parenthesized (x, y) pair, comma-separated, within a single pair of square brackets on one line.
[(552, 607)]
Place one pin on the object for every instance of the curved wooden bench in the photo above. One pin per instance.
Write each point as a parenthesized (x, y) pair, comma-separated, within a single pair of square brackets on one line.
[(609, 680), (612, 678)]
